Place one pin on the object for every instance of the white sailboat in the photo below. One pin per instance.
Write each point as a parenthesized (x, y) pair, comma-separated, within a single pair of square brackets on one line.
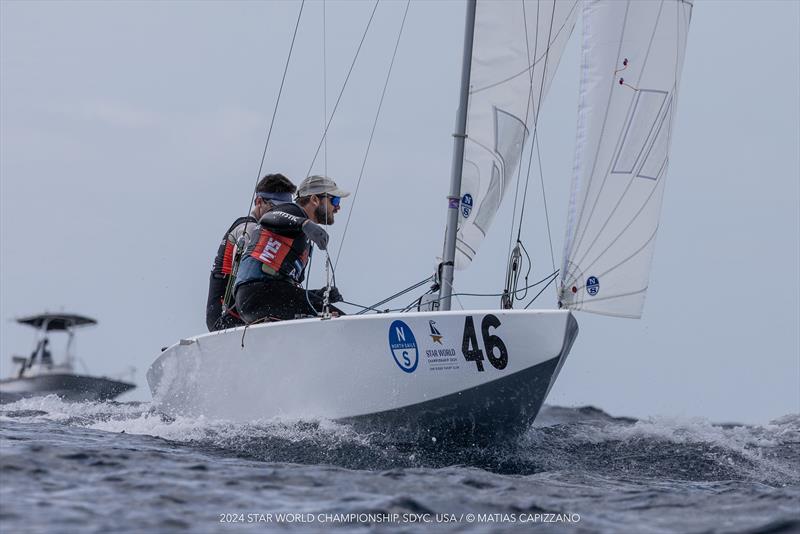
[(480, 372)]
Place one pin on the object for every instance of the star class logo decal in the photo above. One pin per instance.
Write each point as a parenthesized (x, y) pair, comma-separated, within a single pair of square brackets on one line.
[(436, 336)]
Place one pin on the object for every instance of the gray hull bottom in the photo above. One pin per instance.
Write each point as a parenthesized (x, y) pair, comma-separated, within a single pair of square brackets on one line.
[(501, 408), (67, 386)]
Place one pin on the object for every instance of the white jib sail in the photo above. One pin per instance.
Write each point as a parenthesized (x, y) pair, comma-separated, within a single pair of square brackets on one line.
[(510, 74), (632, 55)]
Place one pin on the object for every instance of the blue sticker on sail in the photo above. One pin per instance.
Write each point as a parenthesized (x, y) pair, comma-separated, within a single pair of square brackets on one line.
[(466, 205), (592, 285), (403, 345)]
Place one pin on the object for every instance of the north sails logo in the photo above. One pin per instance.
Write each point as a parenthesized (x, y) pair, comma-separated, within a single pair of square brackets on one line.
[(592, 285), (466, 205), (436, 336), (403, 346)]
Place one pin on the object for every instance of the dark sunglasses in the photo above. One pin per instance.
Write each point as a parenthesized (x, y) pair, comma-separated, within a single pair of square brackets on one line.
[(334, 200)]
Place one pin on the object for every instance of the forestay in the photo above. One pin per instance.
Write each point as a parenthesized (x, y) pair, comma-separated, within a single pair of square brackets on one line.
[(510, 74), (632, 55)]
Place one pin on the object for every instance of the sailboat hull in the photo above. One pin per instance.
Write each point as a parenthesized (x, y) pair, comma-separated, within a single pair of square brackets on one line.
[(475, 373)]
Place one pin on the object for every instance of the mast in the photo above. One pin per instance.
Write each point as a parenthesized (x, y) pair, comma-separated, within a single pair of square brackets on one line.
[(454, 198)]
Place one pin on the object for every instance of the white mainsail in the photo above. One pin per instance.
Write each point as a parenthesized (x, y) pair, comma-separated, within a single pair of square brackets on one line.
[(632, 55), (510, 74)]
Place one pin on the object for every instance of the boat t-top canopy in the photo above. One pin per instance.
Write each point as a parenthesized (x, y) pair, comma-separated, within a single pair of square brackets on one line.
[(56, 321)]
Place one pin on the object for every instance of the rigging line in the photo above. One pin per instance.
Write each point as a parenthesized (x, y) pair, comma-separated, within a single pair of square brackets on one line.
[(545, 279), (333, 271), (401, 292), (527, 273), (364, 308), (325, 81), (668, 104), (536, 120), (275, 110), (325, 300), (552, 279), (527, 111), (308, 278), (269, 131), (452, 294), (371, 135), (549, 277), (458, 300), (544, 201), (344, 85)]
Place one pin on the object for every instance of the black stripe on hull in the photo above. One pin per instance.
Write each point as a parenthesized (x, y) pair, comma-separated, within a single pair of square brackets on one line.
[(69, 387), (501, 408)]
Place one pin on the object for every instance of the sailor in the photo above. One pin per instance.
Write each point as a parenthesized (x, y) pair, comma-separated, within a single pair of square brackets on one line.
[(40, 353), (272, 189), (47, 356), (268, 284)]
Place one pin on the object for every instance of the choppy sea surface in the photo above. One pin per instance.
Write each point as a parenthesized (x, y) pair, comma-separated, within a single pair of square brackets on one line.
[(123, 467)]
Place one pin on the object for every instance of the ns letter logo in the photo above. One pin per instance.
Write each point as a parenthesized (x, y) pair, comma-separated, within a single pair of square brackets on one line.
[(466, 205), (592, 285), (403, 345)]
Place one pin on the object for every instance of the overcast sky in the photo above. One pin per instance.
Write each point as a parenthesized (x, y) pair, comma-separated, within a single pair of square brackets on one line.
[(131, 135)]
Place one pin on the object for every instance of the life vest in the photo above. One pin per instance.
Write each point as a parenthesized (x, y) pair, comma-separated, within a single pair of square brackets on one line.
[(281, 250), (222, 269), (281, 256), (223, 262)]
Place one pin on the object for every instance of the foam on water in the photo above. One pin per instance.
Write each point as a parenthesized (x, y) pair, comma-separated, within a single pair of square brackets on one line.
[(141, 418), (162, 473), (563, 438)]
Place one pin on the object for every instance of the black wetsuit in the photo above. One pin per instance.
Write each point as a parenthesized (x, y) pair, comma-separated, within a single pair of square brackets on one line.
[(273, 267)]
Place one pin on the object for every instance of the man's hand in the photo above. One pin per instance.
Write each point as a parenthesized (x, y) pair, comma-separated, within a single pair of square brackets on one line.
[(334, 295), (316, 233)]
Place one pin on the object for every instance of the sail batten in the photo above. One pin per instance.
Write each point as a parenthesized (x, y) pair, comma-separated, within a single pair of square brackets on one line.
[(631, 59)]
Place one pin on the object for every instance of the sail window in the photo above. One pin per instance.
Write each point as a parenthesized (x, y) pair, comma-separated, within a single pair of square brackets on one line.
[(641, 123), (491, 201), (509, 136), (510, 132), (656, 158)]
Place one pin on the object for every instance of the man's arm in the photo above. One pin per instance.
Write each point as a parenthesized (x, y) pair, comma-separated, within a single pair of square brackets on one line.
[(283, 223), (288, 225)]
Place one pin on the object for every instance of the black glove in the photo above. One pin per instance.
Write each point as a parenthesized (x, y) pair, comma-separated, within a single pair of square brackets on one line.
[(316, 233), (333, 296)]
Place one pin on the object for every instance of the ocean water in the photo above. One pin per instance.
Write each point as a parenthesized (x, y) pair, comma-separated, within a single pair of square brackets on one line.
[(123, 467)]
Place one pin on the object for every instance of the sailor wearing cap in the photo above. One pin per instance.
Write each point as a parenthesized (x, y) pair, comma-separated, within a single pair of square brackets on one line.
[(268, 284)]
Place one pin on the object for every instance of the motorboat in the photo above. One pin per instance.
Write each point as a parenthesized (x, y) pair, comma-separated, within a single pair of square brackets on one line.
[(41, 374)]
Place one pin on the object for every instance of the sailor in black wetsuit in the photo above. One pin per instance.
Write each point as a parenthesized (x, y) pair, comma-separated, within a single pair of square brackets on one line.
[(268, 284), (272, 189)]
